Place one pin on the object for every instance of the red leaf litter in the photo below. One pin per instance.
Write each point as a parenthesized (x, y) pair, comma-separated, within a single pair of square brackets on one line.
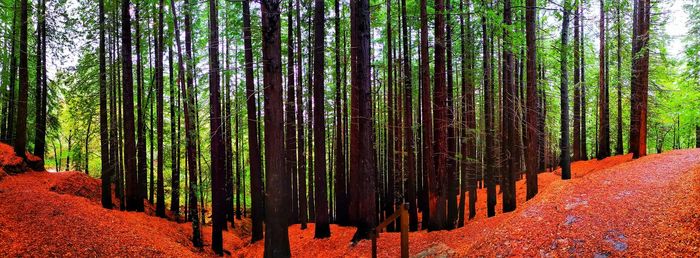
[(614, 207)]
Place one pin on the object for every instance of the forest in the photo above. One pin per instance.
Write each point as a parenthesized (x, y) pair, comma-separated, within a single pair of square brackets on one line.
[(349, 128)]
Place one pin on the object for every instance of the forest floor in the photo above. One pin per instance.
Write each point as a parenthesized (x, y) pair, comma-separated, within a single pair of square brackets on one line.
[(613, 207)]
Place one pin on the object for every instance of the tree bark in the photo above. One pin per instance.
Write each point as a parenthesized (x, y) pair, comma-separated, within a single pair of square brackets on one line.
[(603, 150), (509, 104), (363, 173), (322, 229), (564, 144), (341, 196), (489, 126), (256, 184), (533, 114), (640, 79), (277, 199)]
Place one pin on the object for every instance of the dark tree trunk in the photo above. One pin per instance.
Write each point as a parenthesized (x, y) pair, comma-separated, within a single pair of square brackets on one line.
[(290, 121), (277, 199), (410, 161), (533, 115), (142, 161), (576, 146), (388, 196), (133, 194), (363, 173), (509, 105), (322, 227), (189, 108), (640, 79), (603, 150), (584, 143), (341, 196), (106, 174), (303, 201), (256, 184), (218, 152), (160, 44), (41, 87), (9, 120), (21, 122), (489, 127), (174, 144), (426, 111), (438, 179), (564, 144), (618, 147), (451, 179)]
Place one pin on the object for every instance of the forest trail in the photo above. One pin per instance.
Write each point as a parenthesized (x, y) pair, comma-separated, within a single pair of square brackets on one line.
[(649, 206)]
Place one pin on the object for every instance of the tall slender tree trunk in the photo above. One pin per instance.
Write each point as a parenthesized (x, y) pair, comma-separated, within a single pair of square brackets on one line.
[(40, 119), (218, 175), (489, 127), (451, 179), (564, 144), (426, 111), (640, 79), (256, 184), (533, 114), (277, 199), (290, 121), (106, 169), (410, 161), (160, 44), (603, 150), (21, 122), (363, 174), (133, 196), (340, 186), (9, 120), (576, 146), (189, 108), (303, 201), (509, 105), (584, 138), (322, 227), (142, 161), (618, 147)]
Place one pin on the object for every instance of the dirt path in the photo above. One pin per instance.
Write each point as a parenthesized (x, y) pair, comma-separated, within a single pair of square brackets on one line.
[(647, 207)]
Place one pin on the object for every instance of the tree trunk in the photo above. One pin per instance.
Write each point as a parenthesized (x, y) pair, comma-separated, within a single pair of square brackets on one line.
[(290, 122), (40, 124), (618, 146), (277, 199), (489, 126), (21, 122), (584, 138), (533, 114), (363, 172), (509, 104), (341, 196), (322, 227), (106, 169), (256, 184), (189, 108), (576, 146), (564, 144), (134, 202), (451, 177), (410, 161), (218, 175), (303, 201), (427, 123), (603, 150), (640, 79)]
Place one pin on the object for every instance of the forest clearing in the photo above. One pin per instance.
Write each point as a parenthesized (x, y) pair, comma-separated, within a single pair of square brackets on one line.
[(349, 128)]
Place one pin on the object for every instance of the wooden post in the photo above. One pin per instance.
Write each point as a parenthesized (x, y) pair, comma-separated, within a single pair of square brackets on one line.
[(401, 214), (404, 230), (374, 243)]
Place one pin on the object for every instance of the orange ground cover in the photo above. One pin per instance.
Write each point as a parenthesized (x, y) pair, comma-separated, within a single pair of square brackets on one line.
[(612, 207)]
